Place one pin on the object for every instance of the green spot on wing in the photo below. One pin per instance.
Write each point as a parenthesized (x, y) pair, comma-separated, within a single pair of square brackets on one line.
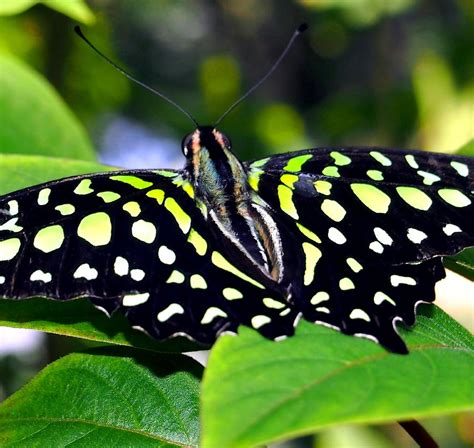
[(289, 180), (96, 229), (379, 157), (375, 174), (340, 159), (259, 163), (285, 195), (134, 181), (157, 194), (415, 197), (323, 187), (454, 197), (181, 217), (108, 196), (331, 171), (372, 197), (295, 163), (9, 248), (166, 173), (221, 262), (49, 238)]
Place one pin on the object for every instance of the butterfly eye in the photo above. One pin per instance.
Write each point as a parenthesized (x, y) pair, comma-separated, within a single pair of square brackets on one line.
[(186, 144)]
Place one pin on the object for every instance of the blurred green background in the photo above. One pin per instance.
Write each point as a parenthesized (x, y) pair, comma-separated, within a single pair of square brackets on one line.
[(396, 73)]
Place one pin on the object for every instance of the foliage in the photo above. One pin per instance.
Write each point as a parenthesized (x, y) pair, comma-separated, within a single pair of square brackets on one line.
[(76, 9), (320, 378), (51, 130), (136, 392), (110, 397)]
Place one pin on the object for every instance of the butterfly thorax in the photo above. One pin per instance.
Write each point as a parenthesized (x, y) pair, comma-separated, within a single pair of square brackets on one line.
[(220, 183)]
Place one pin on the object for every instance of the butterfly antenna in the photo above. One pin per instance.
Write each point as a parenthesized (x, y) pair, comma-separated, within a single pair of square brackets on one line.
[(302, 28), (79, 32)]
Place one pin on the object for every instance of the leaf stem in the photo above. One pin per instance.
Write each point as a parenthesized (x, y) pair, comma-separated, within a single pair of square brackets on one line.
[(419, 434)]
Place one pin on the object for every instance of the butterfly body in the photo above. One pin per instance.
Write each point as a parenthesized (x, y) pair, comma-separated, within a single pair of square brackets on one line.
[(351, 238)]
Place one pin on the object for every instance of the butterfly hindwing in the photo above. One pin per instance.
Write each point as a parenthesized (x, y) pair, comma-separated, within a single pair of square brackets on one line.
[(373, 225), (134, 241)]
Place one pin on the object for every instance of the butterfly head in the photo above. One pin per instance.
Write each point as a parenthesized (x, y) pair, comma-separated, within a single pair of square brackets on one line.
[(208, 139), (211, 165)]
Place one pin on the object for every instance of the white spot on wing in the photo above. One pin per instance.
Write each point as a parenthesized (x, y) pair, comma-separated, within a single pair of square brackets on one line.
[(357, 313), (39, 275), (211, 313), (272, 303), (345, 284), (85, 271), (323, 309), (380, 297), (416, 236), (135, 299), (383, 236), (411, 161), (449, 229), (169, 311), (259, 321), (13, 206), (166, 256), (121, 266), (336, 236), (43, 196), (144, 231), (376, 247), (396, 280), (11, 225), (461, 168), (137, 274), (319, 297), (232, 294)]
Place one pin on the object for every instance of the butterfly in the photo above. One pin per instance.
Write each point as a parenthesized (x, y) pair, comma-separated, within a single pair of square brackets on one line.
[(350, 238)]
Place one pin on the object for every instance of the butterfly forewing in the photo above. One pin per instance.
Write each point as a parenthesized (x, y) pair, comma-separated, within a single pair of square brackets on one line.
[(134, 241), (373, 225)]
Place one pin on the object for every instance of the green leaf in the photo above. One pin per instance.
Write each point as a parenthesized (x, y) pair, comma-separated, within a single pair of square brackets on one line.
[(256, 391), (34, 119), (467, 149), (462, 263), (75, 9), (106, 398), (20, 171), (10, 7)]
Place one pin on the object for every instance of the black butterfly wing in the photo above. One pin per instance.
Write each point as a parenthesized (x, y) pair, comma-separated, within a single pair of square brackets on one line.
[(134, 241), (374, 223)]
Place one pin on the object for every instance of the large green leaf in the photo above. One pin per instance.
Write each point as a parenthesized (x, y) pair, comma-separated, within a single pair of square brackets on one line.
[(76, 9), (106, 398), (20, 171), (34, 119), (256, 391)]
